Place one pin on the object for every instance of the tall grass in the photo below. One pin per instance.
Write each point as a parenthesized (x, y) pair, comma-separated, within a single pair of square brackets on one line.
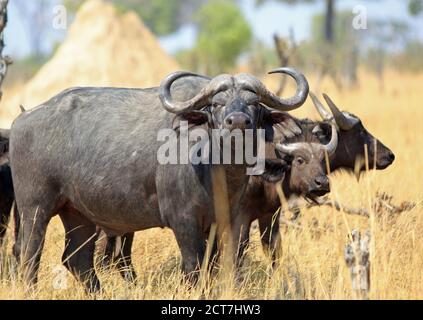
[(311, 262)]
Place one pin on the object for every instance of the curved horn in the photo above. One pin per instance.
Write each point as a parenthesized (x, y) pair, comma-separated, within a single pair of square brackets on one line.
[(197, 102), (341, 120), (333, 143), (287, 148), (324, 114), (294, 102), (270, 99)]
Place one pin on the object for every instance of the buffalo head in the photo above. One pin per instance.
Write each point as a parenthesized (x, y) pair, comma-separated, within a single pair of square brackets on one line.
[(353, 136), (307, 174), (232, 102), (300, 160)]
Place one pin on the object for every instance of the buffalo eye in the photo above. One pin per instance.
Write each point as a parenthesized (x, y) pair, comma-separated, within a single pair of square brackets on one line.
[(300, 161)]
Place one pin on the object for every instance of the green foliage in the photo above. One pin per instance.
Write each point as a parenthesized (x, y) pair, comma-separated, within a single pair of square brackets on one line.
[(72, 5), (346, 40), (415, 7), (259, 2), (383, 37), (223, 34), (161, 16)]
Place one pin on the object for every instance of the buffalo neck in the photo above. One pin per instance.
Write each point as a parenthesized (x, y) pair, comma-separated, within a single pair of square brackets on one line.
[(237, 180), (342, 159)]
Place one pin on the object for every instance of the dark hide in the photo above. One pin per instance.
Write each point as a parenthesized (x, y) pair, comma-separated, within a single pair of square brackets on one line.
[(89, 155), (6, 198), (351, 148), (7, 195)]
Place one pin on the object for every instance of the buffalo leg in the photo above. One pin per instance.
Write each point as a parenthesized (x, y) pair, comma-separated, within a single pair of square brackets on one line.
[(240, 232), (192, 244), (30, 240), (124, 260), (270, 235), (107, 256), (17, 222), (7, 197), (5, 209), (78, 256), (118, 253)]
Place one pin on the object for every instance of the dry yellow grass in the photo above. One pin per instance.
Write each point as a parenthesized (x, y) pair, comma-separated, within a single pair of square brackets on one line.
[(312, 265)]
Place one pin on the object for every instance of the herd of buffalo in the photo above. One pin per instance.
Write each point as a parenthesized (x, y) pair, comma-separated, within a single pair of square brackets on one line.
[(89, 155)]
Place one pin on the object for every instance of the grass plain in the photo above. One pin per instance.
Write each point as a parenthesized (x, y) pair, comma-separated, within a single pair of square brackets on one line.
[(311, 265)]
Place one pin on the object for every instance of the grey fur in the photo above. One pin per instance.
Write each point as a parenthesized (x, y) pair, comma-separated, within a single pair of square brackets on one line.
[(89, 155)]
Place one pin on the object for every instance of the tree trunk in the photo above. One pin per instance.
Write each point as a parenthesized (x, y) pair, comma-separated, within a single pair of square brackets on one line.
[(329, 40), (5, 61), (329, 21), (285, 49)]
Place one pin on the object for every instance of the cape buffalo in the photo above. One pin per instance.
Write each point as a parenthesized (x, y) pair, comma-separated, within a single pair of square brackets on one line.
[(89, 155), (351, 138), (349, 156), (262, 201)]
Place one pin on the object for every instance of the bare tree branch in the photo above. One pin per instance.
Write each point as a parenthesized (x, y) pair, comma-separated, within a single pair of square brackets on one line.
[(5, 61), (357, 258), (285, 49), (381, 204)]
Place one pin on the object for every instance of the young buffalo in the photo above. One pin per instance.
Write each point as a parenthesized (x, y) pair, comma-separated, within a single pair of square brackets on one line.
[(349, 156)]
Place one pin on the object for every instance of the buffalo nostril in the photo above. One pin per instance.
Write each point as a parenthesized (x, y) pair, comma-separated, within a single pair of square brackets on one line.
[(238, 120), (392, 156), (321, 182)]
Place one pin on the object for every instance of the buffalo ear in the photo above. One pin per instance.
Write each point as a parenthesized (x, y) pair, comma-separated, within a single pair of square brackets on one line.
[(280, 126), (194, 118), (323, 132), (274, 170)]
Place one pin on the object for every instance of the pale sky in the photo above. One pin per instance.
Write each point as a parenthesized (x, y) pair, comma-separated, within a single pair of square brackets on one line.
[(265, 20)]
